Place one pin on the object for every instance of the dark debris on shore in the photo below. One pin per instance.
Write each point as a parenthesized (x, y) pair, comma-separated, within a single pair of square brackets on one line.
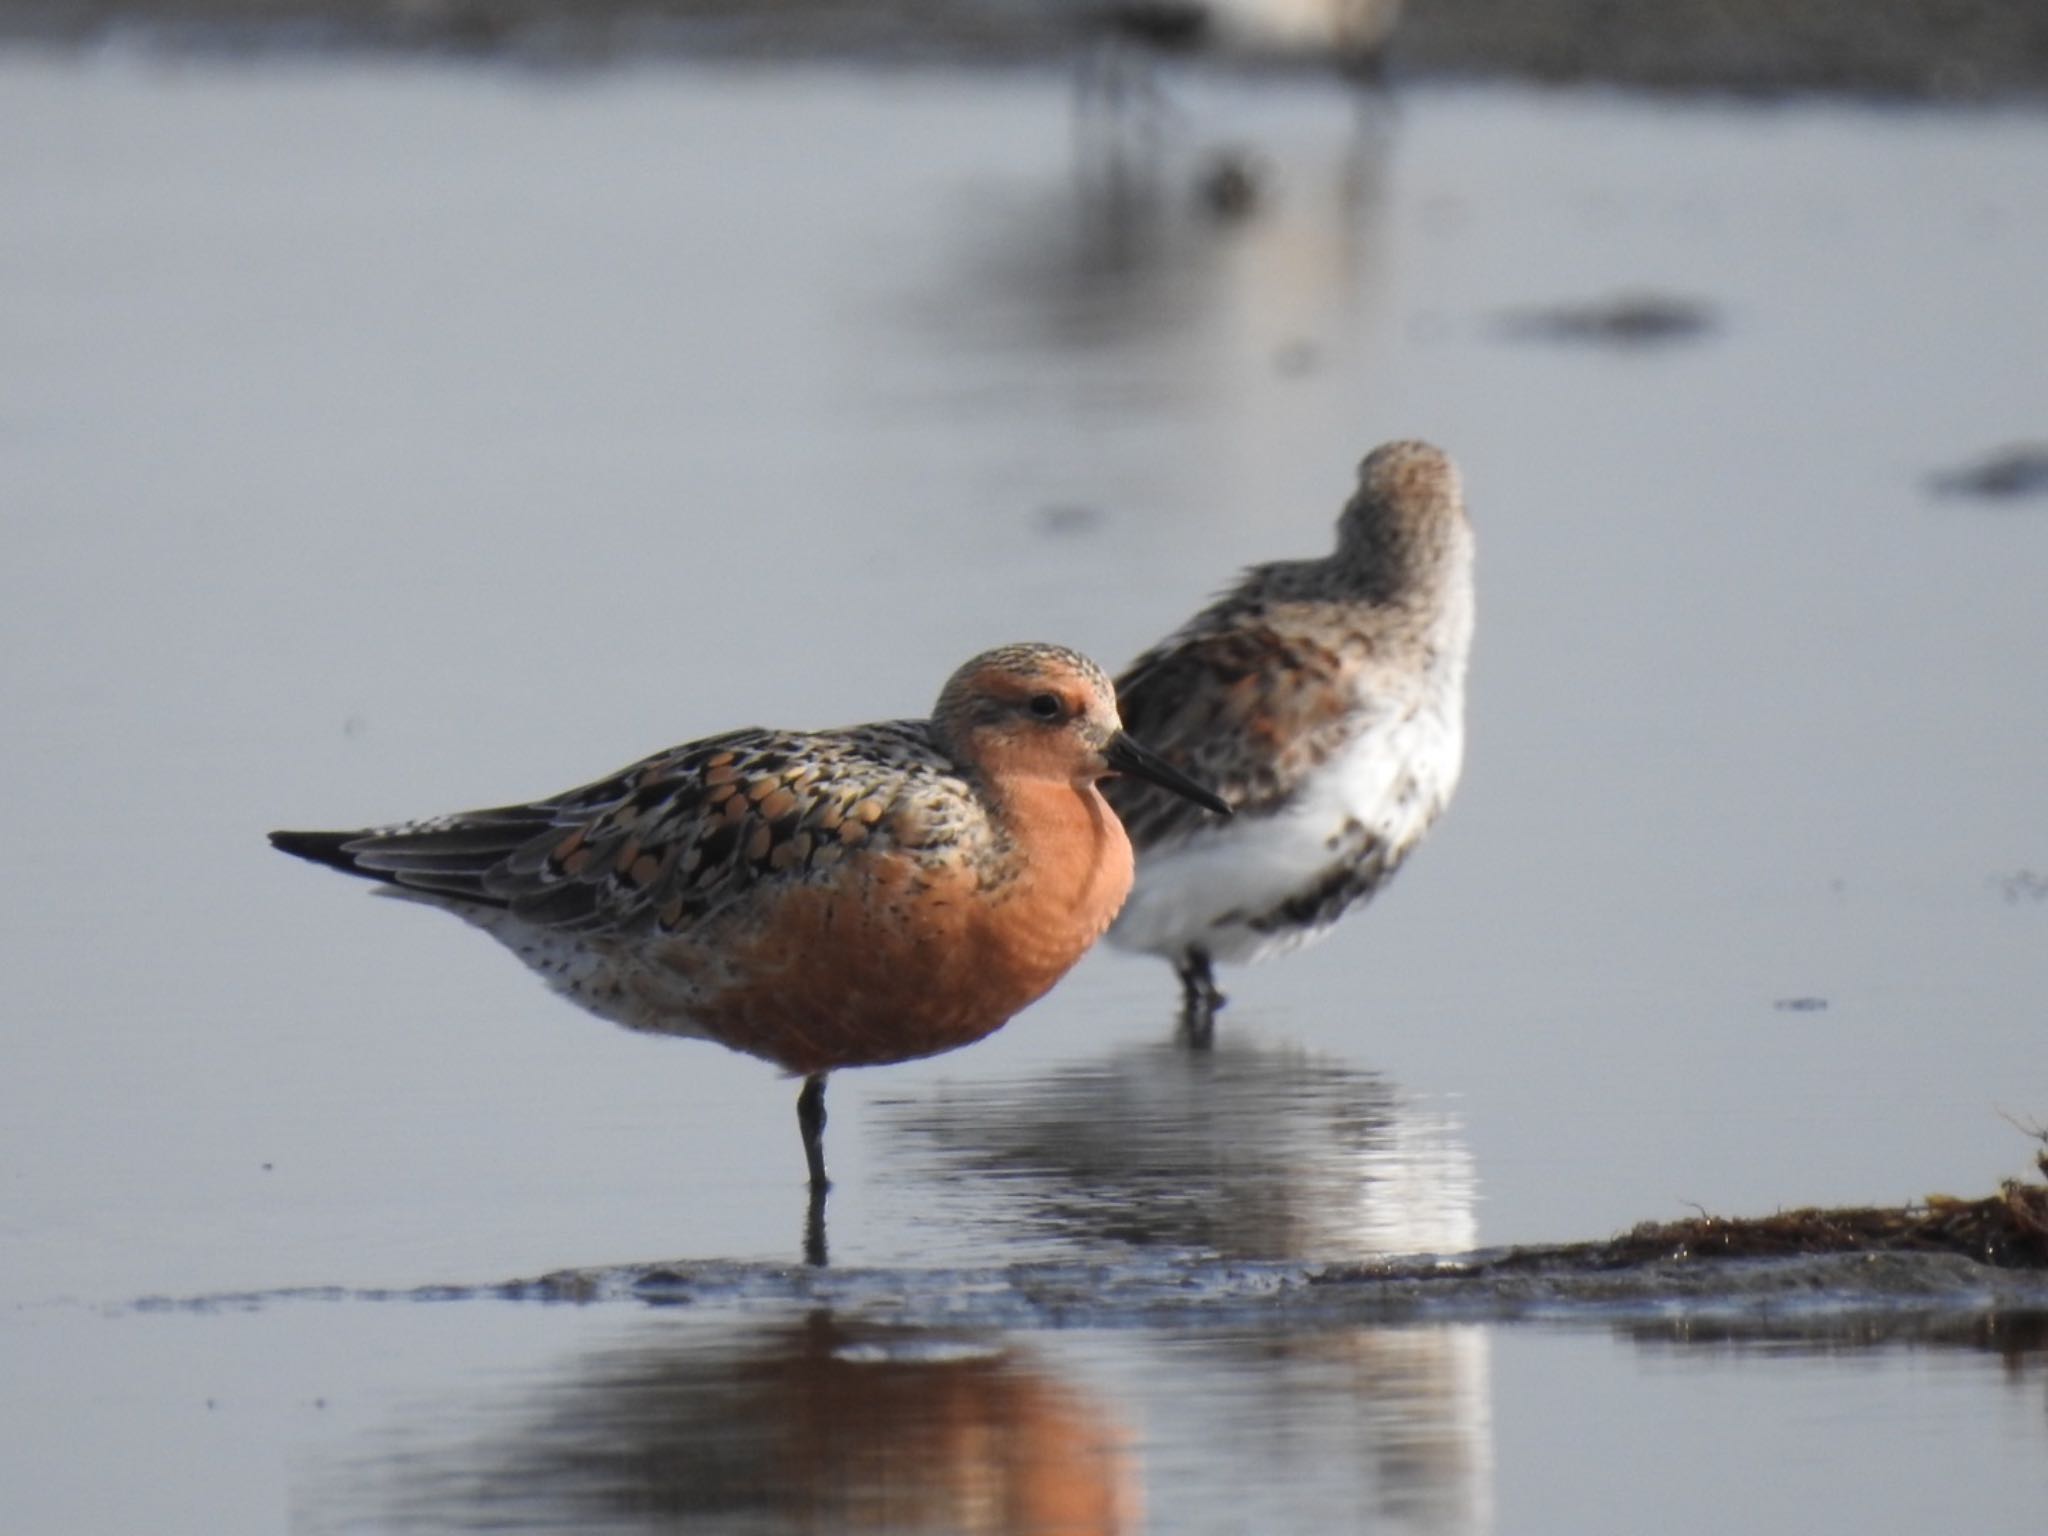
[(2008, 1230), (2005, 1231)]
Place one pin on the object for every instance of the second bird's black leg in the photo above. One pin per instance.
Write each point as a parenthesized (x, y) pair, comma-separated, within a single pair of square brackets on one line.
[(1200, 998)]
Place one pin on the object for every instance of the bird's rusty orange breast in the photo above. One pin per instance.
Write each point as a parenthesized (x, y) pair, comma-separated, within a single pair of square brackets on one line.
[(906, 956)]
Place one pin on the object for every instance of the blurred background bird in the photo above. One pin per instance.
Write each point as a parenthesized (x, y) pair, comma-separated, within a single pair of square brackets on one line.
[(1325, 701)]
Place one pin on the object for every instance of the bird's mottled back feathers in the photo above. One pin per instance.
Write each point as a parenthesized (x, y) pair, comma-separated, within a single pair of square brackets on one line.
[(1243, 699), (679, 835), (1300, 659)]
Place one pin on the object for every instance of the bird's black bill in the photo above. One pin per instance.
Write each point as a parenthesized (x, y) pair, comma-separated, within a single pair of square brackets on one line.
[(1141, 762)]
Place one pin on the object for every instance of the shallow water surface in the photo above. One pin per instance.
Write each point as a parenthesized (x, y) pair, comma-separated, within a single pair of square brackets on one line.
[(380, 438), (331, 1417)]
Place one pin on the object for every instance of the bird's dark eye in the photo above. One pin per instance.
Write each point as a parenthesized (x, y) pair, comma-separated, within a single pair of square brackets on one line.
[(1045, 705)]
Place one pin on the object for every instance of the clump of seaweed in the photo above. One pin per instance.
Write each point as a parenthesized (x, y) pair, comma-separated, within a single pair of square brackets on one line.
[(2008, 1230)]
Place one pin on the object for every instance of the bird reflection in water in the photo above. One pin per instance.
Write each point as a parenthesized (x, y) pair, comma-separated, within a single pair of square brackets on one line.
[(1252, 1150), (1406, 1413), (819, 1425)]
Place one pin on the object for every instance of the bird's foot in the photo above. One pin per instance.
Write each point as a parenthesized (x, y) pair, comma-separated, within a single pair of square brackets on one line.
[(1201, 1000)]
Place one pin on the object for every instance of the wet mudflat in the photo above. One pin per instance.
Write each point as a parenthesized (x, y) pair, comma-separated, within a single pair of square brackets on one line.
[(382, 438)]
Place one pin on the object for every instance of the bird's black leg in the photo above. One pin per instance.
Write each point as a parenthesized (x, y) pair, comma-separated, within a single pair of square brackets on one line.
[(814, 1229), (810, 1119), (1200, 998)]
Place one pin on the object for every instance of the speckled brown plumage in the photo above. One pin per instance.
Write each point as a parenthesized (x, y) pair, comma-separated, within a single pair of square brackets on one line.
[(820, 899), (1324, 700)]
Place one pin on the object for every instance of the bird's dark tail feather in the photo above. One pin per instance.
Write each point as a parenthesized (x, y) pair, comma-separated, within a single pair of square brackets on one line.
[(329, 848), (451, 861)]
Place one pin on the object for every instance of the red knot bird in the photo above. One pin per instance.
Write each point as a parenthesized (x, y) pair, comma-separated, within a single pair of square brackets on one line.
[(1325, 701), (819, 899)]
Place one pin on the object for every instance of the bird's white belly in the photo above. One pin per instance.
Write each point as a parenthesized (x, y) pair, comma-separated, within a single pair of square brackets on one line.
[(1212, 890)]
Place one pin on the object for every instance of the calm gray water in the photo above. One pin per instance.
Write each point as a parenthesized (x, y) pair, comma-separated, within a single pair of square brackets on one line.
[(378, 439)]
